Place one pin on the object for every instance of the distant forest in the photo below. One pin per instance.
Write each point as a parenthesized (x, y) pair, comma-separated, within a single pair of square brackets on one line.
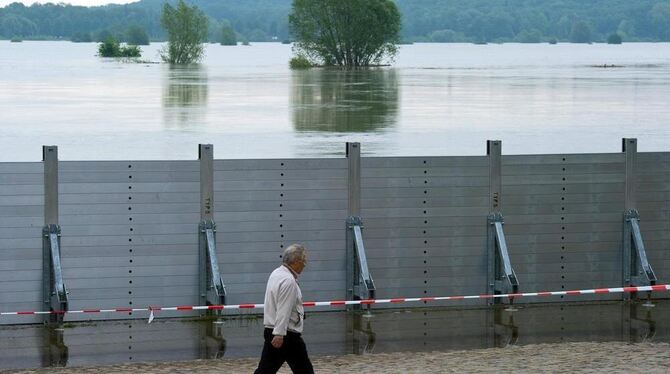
[(476, 21)]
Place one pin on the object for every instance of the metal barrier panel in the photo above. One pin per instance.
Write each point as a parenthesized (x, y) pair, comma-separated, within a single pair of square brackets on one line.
[(653, 203), (129, 234), (424, 222), (130, 228), (563, 221), (263, 206), (21, 221)]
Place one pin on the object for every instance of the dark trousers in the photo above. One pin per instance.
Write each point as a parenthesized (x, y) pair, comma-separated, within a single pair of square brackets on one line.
[(293, 351)]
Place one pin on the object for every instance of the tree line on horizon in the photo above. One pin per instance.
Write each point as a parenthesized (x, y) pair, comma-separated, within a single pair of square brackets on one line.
[(476, 21)]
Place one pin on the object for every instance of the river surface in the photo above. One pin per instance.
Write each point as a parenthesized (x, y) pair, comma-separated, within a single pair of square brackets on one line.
[(436, 99)]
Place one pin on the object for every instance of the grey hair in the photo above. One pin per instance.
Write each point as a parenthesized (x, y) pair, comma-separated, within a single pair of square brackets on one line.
[(293, 254)]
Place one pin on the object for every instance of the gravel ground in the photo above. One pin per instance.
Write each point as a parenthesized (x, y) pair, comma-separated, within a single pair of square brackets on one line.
[(549, 358)]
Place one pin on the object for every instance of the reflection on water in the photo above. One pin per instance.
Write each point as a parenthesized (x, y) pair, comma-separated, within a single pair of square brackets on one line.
[(55, 352), (642, 326), (185, 92), (363, 336), (212, 340), (506, 332), (333, 100), (334, 333)]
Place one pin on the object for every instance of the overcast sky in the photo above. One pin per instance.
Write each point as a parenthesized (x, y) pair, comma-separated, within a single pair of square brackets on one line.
[(73, 2)]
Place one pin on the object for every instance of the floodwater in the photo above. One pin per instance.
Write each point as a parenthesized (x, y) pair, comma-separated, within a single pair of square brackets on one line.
[(436, 99), (334, 333)]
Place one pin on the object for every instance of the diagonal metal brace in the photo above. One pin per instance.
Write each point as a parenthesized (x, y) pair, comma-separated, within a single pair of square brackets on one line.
[(363, 285), (55, 296), (213, 291), (504, 278), (637, 270)]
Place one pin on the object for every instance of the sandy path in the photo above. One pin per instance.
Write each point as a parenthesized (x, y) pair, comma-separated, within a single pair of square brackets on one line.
[(565, 357)]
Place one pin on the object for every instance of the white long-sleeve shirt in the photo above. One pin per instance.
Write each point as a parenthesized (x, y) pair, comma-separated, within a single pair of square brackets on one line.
[(283, 303)]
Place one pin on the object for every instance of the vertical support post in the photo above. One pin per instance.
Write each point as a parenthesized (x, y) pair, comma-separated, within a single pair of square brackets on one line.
[(629, 147), (206, 157), (636, 268), (54, 293), (50, 159), (354, 210), (354, 195), (211, 287), (494, 153)]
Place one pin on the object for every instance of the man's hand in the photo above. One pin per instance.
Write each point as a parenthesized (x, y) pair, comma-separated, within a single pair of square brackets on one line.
[(277, 341)]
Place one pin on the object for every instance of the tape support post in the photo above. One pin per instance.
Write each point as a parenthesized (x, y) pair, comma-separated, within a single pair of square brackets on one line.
[(152, 309)]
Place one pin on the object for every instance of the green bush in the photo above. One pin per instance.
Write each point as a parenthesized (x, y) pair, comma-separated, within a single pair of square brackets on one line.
[(186, 27), (300, 62), (110, 47), (131, 51), (350, 33)]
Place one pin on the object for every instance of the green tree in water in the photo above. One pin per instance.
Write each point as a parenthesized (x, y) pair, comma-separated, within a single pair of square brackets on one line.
[(347, 33), (187, 30)]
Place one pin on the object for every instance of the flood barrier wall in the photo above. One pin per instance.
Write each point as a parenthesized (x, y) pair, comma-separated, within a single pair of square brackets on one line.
[(130, 228)]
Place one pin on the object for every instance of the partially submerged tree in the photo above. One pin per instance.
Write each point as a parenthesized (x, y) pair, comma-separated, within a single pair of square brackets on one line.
[(347, 33), (187, 30)]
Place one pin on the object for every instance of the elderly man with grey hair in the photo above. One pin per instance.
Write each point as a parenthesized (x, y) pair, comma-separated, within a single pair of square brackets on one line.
[(283, 317)]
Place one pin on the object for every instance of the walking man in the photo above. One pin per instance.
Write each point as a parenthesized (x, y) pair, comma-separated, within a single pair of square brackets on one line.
[(283, 317)]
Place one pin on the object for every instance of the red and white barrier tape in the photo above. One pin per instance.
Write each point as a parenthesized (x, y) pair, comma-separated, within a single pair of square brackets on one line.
[(152, 309)]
